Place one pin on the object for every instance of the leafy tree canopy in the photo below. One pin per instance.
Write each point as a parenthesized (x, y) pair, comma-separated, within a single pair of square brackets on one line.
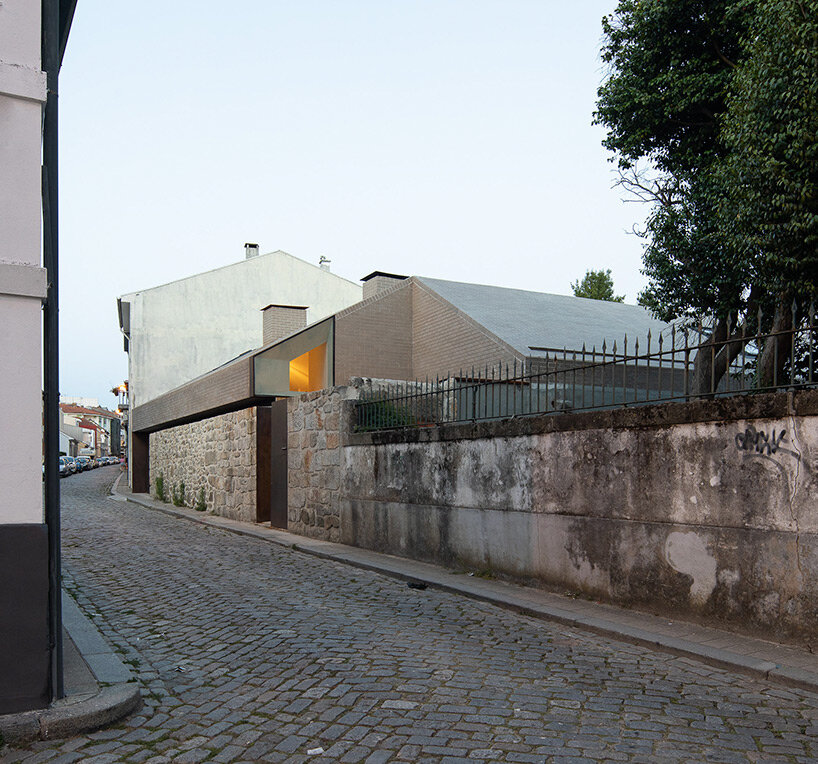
[(671, 64), (769, 178), (711, 108), (596, 285)]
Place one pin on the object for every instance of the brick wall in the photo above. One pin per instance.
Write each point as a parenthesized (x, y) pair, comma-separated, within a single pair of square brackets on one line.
[(374, 337), (409, 332), (446, 340), (281, 320), (218, 454)]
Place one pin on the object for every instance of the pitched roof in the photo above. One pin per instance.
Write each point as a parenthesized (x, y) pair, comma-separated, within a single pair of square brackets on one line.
[(534, 321), (72, 408)]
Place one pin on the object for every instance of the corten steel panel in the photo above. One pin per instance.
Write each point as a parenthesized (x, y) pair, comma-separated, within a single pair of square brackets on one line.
[(264, 444), (278, 464), (140, 463), (218, 390), (24, 650), (374, 337)]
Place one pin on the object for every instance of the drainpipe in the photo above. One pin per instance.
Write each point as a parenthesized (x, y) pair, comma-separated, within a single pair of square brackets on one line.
[(51, 359)]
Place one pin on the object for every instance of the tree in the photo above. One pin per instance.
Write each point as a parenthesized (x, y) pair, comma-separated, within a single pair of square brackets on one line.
[(768, 181), (671, 63), (596, 285), (693, 85)]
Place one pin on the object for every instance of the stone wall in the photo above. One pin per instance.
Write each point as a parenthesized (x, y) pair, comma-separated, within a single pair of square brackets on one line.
[(218, 454), (706, 510), (314, 423)]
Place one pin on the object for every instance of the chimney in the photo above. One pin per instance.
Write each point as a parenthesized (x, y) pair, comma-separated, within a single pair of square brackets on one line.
[(323, 263), (377, 281), (250, 250), (280, 320)]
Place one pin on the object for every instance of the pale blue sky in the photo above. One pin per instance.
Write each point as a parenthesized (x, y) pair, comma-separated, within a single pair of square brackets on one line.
[(450, 139)]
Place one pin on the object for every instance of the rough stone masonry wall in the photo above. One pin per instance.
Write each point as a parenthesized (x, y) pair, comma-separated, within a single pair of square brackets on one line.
[(706, 510), (314, 423), (218, 454)]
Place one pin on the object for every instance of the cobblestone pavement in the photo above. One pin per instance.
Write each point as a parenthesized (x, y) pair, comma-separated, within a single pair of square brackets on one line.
[(247, 651)]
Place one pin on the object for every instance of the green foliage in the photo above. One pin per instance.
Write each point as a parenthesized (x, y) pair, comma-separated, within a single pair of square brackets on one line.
[(670, 63), (178, 495), (159, 485), (597, 285), (718, 101), (671, 67), (200, 505), (769, 180)]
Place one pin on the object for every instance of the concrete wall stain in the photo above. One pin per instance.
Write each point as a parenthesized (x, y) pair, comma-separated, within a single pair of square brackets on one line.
[(673, 513)]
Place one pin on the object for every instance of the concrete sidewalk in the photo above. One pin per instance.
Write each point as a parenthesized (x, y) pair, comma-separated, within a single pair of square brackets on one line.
[(784, 664), (99, 688)]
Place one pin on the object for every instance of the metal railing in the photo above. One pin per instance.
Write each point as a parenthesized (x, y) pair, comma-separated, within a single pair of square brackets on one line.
[(684, 364)]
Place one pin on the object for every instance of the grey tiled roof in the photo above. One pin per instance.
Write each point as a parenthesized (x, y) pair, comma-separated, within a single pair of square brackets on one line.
[(528, 320)]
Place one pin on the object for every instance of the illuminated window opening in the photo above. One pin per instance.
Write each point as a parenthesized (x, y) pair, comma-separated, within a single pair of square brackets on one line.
[(307, 371)]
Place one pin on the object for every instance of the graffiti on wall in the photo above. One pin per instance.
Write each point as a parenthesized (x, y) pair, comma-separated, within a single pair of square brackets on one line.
[(758, 441)]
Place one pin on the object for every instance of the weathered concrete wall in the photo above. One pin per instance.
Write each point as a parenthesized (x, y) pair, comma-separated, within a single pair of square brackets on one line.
[(705, 509), (218, 454), (314, 423)]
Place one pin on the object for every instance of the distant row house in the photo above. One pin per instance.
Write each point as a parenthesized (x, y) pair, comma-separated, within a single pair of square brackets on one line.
[(89, 430)]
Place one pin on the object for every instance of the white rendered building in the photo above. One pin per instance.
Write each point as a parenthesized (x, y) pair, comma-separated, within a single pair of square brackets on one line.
[(24, 647)]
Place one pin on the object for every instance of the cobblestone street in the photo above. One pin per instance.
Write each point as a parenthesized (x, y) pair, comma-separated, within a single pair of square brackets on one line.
[(247, 651)]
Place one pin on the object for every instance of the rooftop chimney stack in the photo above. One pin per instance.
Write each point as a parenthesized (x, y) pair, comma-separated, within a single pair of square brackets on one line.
[(250, 250), (378, 281), (323, 263), (281, 320)]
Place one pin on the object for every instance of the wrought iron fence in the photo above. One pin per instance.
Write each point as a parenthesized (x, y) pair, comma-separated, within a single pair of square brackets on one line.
[(683, 364)]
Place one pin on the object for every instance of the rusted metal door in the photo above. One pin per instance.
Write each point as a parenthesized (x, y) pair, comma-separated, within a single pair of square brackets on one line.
[(278, 464)]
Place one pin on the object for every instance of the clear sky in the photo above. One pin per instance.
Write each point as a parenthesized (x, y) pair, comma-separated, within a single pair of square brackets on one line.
[(444, 138)]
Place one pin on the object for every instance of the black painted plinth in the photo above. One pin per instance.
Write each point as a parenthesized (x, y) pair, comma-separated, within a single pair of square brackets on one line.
[(24, 653)]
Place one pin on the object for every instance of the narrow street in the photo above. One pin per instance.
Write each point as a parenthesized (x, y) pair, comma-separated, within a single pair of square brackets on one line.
[(249, 652)]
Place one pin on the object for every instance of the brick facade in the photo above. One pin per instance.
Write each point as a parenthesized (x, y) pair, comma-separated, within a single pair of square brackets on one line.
[(374, 337), (280, 320), (446, 340), (409, 332)]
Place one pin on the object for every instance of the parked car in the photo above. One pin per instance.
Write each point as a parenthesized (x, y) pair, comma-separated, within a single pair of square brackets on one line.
[(83, 463), (72, 464), (65, 470)]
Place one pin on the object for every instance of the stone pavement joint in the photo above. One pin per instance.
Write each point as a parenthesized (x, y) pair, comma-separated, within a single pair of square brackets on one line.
[(783, 664)]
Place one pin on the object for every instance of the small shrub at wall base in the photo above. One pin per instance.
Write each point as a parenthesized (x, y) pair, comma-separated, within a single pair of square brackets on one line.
[(159, 484), (179, 495), (200, 505)]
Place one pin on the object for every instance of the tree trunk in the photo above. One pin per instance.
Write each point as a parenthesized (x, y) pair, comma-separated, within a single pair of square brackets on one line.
[(720, 349), (777, 347), (704, 379)]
